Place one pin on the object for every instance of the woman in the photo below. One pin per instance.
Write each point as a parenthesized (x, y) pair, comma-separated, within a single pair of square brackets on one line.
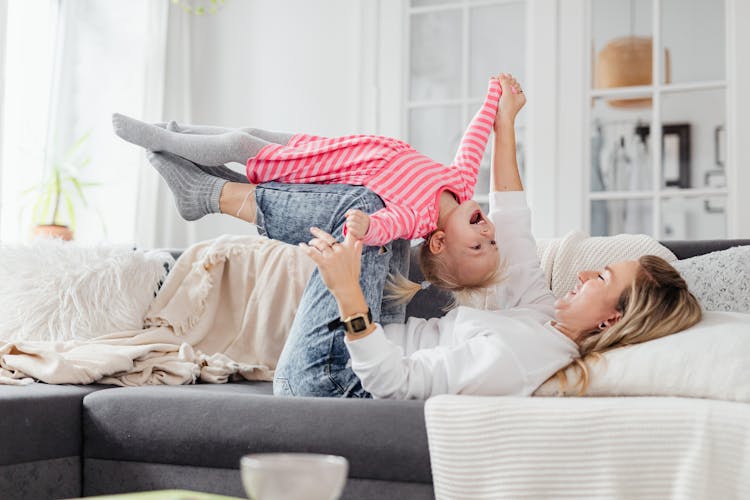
[(514, 350)]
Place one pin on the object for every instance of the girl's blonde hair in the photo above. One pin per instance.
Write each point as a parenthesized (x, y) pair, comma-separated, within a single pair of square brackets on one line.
[(657, 303), (437, 272)]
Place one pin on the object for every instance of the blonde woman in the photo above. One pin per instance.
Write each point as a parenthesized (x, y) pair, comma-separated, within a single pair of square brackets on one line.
[(514, 350)]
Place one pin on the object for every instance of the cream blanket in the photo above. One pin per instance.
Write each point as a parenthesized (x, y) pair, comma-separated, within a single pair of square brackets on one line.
[(223, 312)]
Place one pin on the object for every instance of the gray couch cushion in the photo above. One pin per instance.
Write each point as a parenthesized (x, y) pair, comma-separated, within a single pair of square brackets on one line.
[(213, 426), (684, 249), (41, 421)]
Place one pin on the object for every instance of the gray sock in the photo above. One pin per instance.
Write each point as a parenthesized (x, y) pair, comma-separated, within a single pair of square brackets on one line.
[(195, 192), (268, 136), (210, 150), (218, 171)]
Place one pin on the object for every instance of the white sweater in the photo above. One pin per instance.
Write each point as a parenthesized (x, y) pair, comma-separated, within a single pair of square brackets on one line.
[(471, 351)]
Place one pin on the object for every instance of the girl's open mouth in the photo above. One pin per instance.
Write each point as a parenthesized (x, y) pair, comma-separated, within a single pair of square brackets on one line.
[(476, 217)]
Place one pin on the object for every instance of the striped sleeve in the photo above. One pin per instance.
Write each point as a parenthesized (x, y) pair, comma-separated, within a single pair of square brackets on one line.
[(474, 142), (390, 223)]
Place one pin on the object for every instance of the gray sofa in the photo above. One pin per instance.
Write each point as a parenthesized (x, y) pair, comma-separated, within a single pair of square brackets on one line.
[(69, 441)]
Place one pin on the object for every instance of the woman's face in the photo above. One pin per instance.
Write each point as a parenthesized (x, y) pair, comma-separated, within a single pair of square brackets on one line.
[(593, 301)]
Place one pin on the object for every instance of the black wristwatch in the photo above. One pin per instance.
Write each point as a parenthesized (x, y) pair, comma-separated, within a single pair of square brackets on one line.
[(354, 324)]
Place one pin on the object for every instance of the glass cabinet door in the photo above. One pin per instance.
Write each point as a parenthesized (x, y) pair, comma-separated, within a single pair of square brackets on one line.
[(672, 187)]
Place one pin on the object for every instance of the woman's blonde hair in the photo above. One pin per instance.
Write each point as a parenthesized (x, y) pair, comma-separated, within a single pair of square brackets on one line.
[(439, 273), (657, 303)]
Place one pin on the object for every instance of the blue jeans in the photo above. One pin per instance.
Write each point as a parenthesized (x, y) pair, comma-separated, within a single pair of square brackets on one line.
[(315, 361)]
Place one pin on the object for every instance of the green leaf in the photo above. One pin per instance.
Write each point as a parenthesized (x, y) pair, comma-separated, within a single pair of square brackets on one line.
[(36, 187), (77, 185), (41, 208), (72, 150), (71, 211)]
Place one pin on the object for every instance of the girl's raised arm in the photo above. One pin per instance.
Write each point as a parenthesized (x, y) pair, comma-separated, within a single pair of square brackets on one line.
[(474, 142)]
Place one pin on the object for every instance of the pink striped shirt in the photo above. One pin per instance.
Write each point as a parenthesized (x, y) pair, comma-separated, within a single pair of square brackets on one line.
[(408, 182)]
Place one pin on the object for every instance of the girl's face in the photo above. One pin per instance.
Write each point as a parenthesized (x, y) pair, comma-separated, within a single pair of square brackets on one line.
[(470, 242), (592, 303)]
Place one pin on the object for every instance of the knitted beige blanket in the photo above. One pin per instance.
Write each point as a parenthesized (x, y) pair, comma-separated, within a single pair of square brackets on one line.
[(223, 312), (563, 258)]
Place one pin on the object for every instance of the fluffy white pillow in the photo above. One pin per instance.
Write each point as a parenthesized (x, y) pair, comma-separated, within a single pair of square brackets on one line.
[(708, 360), (719, 280), (53, 290)]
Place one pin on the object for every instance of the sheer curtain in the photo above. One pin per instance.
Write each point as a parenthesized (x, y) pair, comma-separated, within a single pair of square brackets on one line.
[(108, 60), (158, 225)]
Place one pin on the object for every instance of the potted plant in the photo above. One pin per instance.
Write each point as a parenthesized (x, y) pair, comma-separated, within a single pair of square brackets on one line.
[(54, 209)]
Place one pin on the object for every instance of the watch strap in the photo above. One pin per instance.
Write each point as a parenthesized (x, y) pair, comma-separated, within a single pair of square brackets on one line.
[(336, 323)]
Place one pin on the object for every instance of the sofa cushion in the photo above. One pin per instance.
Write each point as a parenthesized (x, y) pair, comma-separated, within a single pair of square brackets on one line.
[(41, 421), (719, 280), (214, 425), (55, 290)]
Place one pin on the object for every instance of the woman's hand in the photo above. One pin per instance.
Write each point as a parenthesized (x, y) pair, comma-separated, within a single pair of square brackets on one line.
[(339, 263), (357, 223), (511, 101)]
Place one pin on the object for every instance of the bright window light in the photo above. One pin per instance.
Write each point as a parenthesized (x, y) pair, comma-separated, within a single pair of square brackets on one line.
[(29, 56)]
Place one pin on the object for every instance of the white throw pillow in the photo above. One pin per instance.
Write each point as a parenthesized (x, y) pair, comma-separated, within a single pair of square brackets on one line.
[(719, 280), (708, 360), (53, 290)]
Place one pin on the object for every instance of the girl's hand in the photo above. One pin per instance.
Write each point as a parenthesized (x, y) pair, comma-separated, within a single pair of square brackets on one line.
[(339, 263), (511, 101), (357, 223)]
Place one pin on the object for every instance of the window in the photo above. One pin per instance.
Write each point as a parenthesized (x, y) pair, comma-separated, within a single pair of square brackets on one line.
[(29, 55), (453, 48), (68, 66)]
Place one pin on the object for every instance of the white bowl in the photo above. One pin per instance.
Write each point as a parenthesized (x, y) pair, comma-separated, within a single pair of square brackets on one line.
[(292, 476)]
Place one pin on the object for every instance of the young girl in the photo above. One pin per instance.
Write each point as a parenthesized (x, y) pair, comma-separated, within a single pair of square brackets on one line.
[(423, 198)]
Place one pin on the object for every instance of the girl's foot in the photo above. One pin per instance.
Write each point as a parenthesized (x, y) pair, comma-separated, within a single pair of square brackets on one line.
[(195, 192)]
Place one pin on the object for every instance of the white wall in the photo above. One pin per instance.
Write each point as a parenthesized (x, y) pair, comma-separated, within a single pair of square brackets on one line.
[(292, 66)]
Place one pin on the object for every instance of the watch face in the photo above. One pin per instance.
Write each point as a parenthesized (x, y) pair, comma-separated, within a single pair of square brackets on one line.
[(358, 324)]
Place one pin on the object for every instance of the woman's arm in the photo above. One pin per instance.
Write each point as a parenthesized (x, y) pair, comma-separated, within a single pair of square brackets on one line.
[(477, 364), (505, 175), (339, 265), (524, 282)]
